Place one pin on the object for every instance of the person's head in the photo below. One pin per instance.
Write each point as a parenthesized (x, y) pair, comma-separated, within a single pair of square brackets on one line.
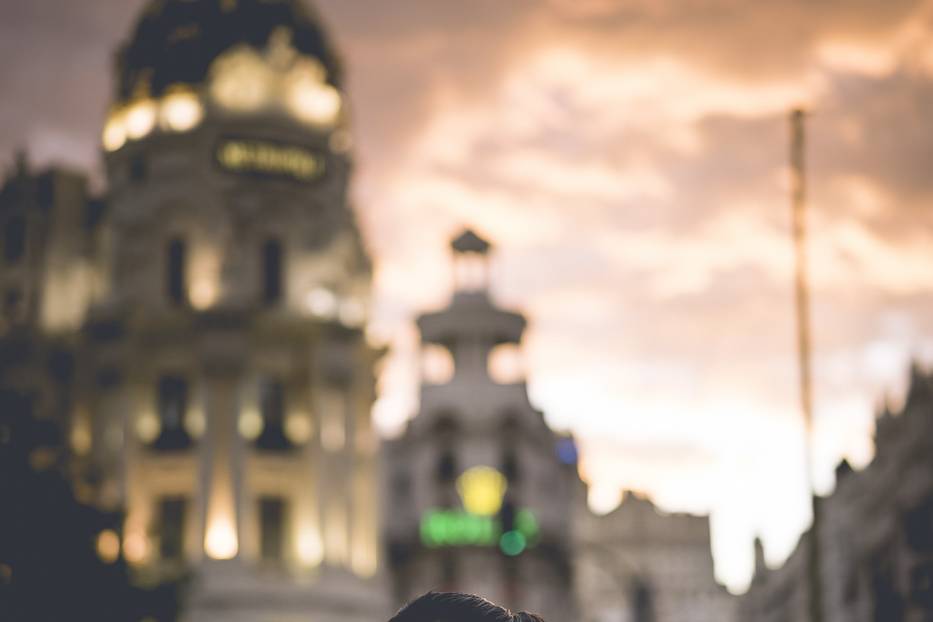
[(457, 607)]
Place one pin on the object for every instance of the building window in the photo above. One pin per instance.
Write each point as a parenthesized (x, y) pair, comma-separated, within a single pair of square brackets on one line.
[(172, 404), (510, 466), (918, 523), (272, 410), (172, 527), (176, 259), (887, 602), (138, 169), (271, 528), (12, 301), (511, 435), (446, 466), (921, 584), (14, 239), (272, 272), (642, 601)]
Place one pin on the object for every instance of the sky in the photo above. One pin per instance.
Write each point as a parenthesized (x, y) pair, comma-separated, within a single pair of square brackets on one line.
[(628, 159)]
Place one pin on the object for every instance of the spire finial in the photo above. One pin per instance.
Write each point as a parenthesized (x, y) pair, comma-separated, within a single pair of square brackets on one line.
[(471, 262)]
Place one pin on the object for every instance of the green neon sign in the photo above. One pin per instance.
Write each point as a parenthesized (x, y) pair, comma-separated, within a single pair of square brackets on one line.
[(481, 490), (449, 528)]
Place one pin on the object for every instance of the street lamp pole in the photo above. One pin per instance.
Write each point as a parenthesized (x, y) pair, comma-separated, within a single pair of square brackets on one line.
[(798, 204)]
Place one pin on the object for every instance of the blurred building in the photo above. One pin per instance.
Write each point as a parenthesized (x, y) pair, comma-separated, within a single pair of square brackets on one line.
[(198, 329), (876, 532), (480, 492), (637, 564)]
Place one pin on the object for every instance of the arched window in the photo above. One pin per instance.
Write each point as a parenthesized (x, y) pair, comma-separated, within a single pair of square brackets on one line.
[(642, 601), (172, 404), (175, 284), (272, 410), (511, 437), (272, 271), (14, 239), (446, 465), (171, 526), (446, 432), (273, 512)]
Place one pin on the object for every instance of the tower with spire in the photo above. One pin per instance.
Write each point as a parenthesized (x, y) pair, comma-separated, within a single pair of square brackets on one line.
[(480, 490)]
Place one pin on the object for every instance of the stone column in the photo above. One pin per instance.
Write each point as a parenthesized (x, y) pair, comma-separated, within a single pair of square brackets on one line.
[(222, 451)]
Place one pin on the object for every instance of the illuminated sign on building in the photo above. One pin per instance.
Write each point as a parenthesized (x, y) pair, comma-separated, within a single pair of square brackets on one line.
[(482, 491), (261, 157)]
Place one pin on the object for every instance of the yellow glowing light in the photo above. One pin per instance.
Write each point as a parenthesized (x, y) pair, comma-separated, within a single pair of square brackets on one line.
[(241, 81), (250, 424), (255, 156), (321, 302), (220, 542), (437, 364), (298, 428), (181, 112), (148, 427), (308, 96), (136, 547), (81, 436), (196, 422), (108, 546), (482, 490), (314, 102), (203, 293), (204, 275), (140, 118), (310, 548), (114, 134)]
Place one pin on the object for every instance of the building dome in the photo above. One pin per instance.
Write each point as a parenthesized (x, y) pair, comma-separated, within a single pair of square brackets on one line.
[(175, 42)]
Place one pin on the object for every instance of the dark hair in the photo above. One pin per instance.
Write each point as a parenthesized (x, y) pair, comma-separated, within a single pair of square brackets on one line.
[(457, 607)]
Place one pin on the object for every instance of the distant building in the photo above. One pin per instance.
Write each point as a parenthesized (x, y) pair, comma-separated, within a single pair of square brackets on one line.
[(480, 492), (478, 463), (637, 564), (876, 532), (198, 330)]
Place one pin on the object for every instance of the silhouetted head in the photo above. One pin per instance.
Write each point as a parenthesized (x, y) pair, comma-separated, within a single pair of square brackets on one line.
[(456, 607)]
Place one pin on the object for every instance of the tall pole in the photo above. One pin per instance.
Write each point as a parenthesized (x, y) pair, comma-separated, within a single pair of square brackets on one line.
[(799, 204)]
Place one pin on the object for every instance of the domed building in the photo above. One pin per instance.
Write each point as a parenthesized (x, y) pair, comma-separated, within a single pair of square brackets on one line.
[(211, 306)]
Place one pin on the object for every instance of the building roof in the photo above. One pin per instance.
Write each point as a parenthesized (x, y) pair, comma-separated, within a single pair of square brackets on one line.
[(470, 242), (176, 41)]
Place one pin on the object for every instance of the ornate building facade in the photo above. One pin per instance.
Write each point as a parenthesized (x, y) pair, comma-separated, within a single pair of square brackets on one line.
[(480, 492), (198, 330), (875, 536)]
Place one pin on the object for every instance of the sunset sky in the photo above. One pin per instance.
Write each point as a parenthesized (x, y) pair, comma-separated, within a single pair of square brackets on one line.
[(628, 160)]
